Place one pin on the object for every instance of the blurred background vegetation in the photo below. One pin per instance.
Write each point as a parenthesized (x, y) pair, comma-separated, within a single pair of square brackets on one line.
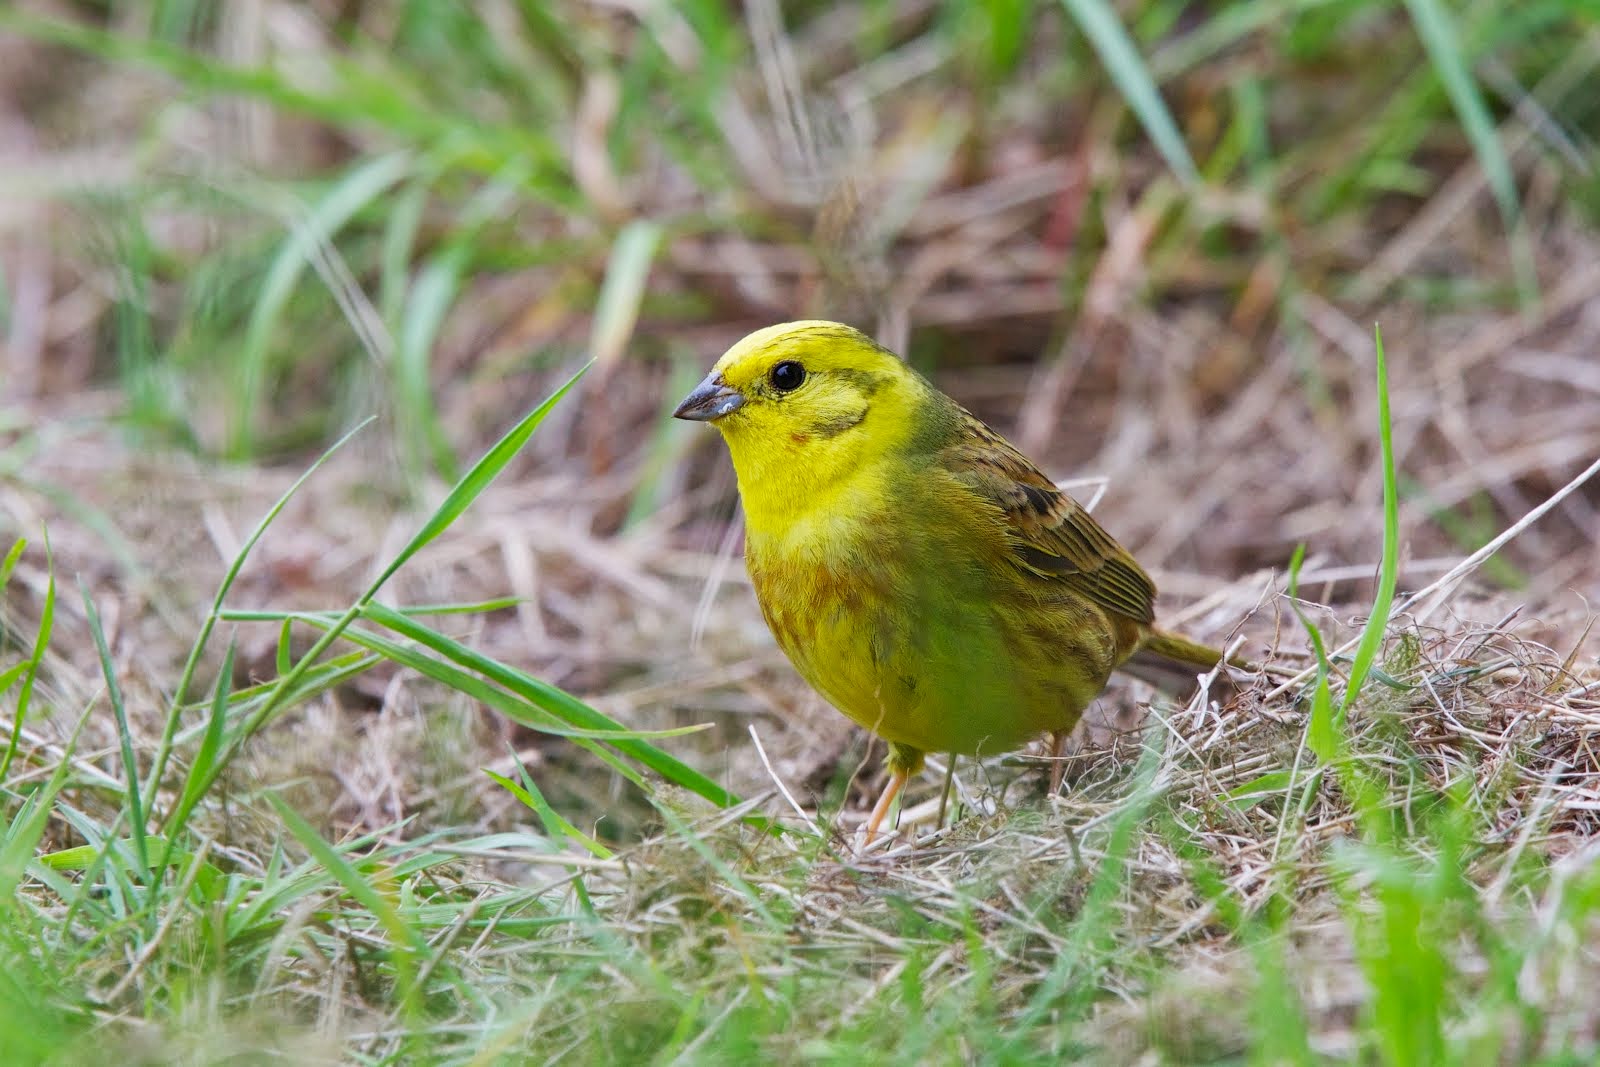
[(1148, 240), (262, 221)]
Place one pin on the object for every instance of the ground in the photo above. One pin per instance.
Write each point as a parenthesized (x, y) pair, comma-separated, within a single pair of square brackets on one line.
[(231, 236)]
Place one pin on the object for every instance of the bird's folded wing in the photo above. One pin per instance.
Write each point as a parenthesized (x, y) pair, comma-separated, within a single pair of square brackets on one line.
[(1051, 534)]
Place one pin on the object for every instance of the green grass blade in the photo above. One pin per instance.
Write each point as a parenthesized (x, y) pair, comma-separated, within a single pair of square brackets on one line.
[(455, 678), (1071, 978), (465, 492), (205, 758), (8, 678), (555, 824), (430, 299), (284, 660), (564, 706), (1436, 27), (1378, 622), (358, 189), (1223, 29), (9, 564), (331, 673), (158, 764), (1280, 1030), (22, 835), (409, 946), (130, 766), (520, 709), (697, 845), (280, 888), (617, 310), (97, 892), (41, 642), (415, 611), (1121, 58), (475, 481), (406, 211), (354, 96), (1322, 735)]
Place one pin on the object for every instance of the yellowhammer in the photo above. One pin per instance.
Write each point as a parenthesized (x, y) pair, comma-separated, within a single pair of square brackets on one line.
[(917, 569)]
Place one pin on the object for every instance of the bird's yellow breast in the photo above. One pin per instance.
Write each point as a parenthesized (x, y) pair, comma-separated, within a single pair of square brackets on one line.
[(905, 621)]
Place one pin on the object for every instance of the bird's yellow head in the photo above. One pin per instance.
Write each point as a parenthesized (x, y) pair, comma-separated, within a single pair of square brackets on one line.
[(807, 408)]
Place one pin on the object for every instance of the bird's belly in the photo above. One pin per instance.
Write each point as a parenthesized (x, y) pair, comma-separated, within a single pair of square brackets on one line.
[(941, 669)]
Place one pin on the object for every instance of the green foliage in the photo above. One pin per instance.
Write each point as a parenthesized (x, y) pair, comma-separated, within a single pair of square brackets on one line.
[(530, 146), (1133, 80), (168, 901), (1407, 885)]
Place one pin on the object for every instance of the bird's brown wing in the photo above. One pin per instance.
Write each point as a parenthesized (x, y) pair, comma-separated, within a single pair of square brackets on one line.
[(1050, 534)]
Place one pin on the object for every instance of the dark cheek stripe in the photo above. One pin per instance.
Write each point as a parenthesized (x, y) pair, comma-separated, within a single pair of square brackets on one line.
[(835, 427)]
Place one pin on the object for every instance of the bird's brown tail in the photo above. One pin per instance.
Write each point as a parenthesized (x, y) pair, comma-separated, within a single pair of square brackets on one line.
[(1172, 663)]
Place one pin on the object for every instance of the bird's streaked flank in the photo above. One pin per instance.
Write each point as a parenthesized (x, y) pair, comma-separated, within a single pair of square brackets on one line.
[(917, 569)]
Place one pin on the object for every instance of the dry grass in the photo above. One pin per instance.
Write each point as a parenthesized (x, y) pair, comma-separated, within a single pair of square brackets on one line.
[(1206, 890)]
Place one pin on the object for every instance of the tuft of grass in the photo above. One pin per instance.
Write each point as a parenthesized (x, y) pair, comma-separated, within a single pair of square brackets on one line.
[(172, 904)]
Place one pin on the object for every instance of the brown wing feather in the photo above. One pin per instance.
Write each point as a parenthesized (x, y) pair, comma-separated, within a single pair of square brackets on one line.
[(1051, 534)]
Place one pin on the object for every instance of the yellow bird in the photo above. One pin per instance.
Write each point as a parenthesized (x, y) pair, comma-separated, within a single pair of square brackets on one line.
[(917, 569)]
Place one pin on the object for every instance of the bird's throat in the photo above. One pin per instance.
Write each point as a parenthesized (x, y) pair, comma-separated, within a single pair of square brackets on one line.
[(808, 495)]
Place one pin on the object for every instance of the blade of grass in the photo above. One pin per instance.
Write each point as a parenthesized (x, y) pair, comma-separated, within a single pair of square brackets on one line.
[(8, 677), (697, 845), (564, 706), (526, 712), (465, 491), (406, 211), (421, 319), (41, 641), (1116, 50), (1071, 977), (555, 824), (474, 482), (1224, 29), (355, 191), (204, 759), (617, 310), (1436, 27), (280, 887), (9, 564), (130, 766), (333, 672), (87, 895), (408, 945), (354, 96), (1316, 735), (284, 661), (414, 611), (1325, 732), (22, 835), (158, 765), (423, 440), (1377, 626)]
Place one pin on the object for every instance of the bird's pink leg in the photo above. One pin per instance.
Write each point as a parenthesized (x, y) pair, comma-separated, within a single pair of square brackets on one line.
[(1058, 764), (880, 810)]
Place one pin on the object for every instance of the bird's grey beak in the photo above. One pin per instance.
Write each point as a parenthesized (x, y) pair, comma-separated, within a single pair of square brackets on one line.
[(710, 400)]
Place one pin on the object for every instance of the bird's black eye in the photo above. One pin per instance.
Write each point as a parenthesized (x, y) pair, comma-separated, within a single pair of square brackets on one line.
[(787, 376)]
